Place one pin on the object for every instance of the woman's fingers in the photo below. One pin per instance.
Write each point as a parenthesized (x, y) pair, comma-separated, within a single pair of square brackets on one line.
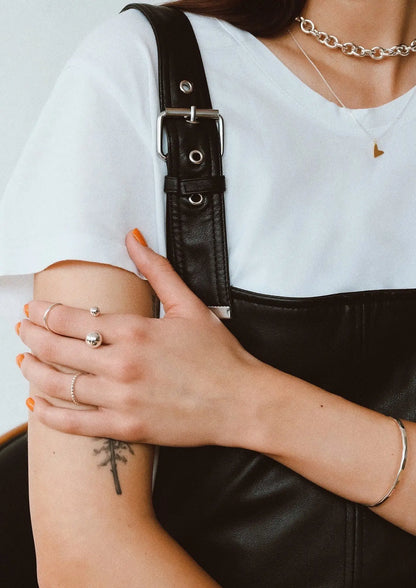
[(64, 351), (88, 389), (77, 323), (90, 423), (172, 291)]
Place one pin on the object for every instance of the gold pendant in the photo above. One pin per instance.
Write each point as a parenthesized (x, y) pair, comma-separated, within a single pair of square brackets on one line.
[(377, 151)]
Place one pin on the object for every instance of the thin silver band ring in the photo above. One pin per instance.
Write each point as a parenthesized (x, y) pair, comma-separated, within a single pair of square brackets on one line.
[(73, 396), (46, 315)]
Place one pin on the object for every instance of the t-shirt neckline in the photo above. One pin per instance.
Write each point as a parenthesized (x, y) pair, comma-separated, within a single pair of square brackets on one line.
[(280, 75)]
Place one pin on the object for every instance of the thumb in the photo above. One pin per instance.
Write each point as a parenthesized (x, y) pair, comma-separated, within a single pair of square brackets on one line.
[(169, 287)]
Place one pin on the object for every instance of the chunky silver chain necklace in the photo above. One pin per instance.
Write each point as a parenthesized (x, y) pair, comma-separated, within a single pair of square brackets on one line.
[(349, 48), (376, 151)]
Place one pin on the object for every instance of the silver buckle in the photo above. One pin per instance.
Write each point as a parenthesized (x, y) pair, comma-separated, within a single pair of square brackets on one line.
[(191, 115)]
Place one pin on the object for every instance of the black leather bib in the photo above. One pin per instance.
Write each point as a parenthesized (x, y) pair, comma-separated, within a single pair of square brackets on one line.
[(248, 520), (251, 522)]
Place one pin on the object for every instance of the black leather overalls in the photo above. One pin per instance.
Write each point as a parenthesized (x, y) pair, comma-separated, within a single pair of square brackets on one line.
[(249, 521)]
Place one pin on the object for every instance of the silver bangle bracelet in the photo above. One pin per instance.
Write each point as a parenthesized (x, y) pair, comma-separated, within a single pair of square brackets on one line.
[(402, 464)]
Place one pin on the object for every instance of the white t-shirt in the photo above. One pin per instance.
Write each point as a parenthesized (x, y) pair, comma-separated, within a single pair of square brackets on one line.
[(309, 211)]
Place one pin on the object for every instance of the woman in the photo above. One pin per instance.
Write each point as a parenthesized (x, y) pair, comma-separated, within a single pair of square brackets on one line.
[(315, 153)]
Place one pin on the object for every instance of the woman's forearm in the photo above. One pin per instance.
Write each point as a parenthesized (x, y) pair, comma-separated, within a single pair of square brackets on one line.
[(85, 533), (91, 500), (345, 448), (185, 380)]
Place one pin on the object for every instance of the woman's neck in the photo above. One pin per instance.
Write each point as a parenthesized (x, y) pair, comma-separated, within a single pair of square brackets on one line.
[(366, 22), (359, 82)]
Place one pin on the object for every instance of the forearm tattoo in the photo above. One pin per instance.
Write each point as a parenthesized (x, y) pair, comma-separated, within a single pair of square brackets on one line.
[(113, 451)]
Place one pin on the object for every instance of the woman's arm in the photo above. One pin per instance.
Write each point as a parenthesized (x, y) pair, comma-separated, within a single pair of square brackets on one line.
[(347, 449), (200, 387), (85, 533)]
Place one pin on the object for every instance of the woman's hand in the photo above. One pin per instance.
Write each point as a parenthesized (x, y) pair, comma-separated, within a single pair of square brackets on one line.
[(182, 380)]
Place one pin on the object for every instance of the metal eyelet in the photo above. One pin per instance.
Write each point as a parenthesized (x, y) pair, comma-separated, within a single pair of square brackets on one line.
[(186, 87), (196, 157), (196, 199)]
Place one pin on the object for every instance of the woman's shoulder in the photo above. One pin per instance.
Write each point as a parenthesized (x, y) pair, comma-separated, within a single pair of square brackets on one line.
[(125, 41), (120, 56), (122, 43)]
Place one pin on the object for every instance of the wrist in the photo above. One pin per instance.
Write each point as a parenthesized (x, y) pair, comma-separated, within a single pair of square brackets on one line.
[(256, 402), (266, 434)]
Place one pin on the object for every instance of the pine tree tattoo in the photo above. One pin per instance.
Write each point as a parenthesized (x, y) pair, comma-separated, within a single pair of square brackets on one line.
[(113, 451)]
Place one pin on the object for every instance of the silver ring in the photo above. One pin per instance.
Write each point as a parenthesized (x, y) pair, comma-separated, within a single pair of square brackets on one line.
[(46, 314), (94, 339), (73, 397), (95, 311)]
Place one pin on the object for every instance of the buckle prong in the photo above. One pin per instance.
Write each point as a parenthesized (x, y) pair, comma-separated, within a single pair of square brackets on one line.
[(192, 120)]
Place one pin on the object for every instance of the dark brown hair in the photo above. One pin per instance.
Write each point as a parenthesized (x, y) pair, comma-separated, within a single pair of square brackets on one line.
[(263, 18)]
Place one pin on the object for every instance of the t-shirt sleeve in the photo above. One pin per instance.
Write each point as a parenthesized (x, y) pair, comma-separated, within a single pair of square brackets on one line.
[(83, 180), (85, 177)]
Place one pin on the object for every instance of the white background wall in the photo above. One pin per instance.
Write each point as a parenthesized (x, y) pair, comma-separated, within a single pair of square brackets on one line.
[(36, 39)]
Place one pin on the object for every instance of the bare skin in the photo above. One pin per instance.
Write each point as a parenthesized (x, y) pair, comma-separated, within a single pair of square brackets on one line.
[(360, 83), (87, 534), (127, 529), (210, 401)]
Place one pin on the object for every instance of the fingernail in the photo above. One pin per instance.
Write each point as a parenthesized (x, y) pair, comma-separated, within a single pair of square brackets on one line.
[(17, 328), (139, 237), (30, 403), (26, 309), (19, 359)]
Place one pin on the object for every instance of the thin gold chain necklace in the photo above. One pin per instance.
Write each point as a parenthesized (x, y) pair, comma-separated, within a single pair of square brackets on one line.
[(376, 151)]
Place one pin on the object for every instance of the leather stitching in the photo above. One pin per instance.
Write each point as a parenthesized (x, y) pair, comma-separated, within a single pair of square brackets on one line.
[(193, 247)]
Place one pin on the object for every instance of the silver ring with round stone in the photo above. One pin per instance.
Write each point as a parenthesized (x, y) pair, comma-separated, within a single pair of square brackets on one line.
[(94, 339)]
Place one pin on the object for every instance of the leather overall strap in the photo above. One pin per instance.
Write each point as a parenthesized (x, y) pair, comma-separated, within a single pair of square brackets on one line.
[(195, 185)]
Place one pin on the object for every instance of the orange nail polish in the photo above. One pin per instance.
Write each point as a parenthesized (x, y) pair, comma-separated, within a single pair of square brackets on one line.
[(19, 359), (30, 403), (17, 328), (139, 237), (26, 309)]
